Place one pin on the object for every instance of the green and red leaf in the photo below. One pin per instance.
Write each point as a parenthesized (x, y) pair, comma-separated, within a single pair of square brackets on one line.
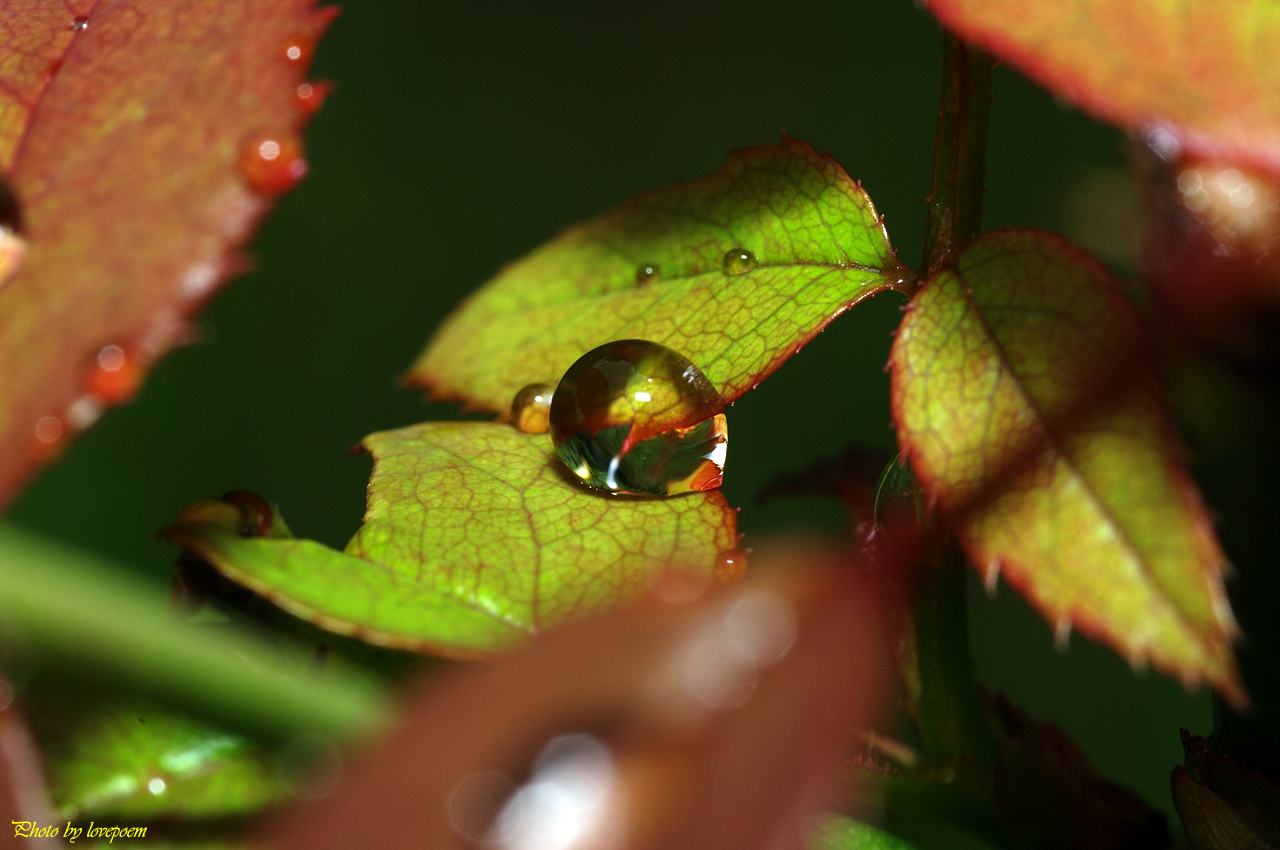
[(475, 536), (820, 247), (132, 135), (1026, 402), (1205, 74)]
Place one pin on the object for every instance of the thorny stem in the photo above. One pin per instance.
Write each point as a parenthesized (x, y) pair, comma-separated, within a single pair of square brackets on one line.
[(953, 716), (959, 155)]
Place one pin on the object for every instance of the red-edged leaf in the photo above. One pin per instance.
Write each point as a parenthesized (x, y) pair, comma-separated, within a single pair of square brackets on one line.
[(1026, 402), (662, 267), (133, 135), (715, 724), (1203, 75)]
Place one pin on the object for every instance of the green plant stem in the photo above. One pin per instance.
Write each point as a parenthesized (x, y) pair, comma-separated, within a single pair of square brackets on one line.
[(952, 712), (959, 155)]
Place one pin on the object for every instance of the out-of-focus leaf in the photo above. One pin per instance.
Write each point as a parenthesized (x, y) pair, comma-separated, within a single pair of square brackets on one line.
[(1026, 402), (475, 535), (129, 761), (136, 138), (1204, 74), (818, 244), (1209, 822), (24, 798), (67, 608), (713, 724), (1049, 797), (1222, 802), (839, 833)]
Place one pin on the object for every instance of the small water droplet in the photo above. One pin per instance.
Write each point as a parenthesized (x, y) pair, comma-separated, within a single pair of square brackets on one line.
[(310, 96), (738, 261), (115, 375), (79, 23), (298, 48), (256, 514), (273, 164), (531, 408), (648, 273), (1062, 634), (730, 565), (600, 411), (49, 429)]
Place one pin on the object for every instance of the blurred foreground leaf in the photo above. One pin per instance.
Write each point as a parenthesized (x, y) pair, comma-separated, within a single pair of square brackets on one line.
[(475, 536), (131, 133), (64, 608), (839, 833), (714, 723), (1205, 71), (1026, 402), (818, 247)]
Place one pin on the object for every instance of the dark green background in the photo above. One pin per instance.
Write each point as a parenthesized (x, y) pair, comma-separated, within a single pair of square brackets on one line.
[(460, 136)]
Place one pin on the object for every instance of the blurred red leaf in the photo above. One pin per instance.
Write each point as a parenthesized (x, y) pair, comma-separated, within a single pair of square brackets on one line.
[(714, 724), (1200, 76), (145, 143)]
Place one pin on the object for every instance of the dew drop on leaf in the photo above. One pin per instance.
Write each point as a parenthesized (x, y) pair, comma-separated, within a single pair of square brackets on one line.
[(738, 261), (79, 23), (298, 49), (648, 273), (273, 164), (310, 96), (531, 408), (730, 565), (115, 375), (612, 389)]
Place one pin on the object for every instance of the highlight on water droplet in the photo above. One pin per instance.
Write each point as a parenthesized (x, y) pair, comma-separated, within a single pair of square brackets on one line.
[(273, 163), (79, 23), (738, 261), (310, 96), (602, 416), (13, 253), (648, 273), (531, 408), (298, 48), (115, 375), (730, 566)]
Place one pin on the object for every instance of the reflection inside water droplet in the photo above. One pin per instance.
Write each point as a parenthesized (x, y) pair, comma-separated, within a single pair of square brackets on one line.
[(601, 410), (79, 23), (648, 273), (738, 261), (531, 408)]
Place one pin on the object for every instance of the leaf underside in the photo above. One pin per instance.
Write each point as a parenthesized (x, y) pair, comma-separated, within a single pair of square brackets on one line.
[(1206, 71), (122, 128), (1029, 410), (819, 243), (475, 536)]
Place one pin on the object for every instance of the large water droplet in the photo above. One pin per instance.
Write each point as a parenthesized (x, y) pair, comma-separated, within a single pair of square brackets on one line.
[(601, 417), (738, 261), (273, 164), (648, 273), (531, 408)]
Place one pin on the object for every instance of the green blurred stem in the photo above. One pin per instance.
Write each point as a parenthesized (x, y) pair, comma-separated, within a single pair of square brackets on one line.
[(66, 609), (953, 719), (959, 155)]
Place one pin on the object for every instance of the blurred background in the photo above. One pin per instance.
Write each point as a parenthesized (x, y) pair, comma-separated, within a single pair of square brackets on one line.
[(462, 135)]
